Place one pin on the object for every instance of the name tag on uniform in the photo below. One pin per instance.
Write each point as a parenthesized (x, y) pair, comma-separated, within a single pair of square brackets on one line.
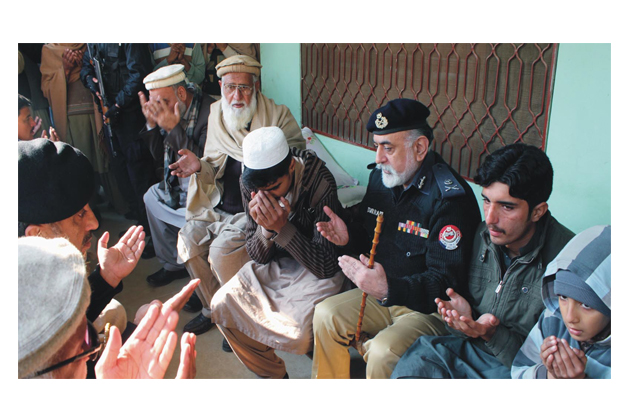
[(374, 211), (413, 228)]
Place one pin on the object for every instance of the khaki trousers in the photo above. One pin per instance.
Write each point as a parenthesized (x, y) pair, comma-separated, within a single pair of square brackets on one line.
[(222, 255), (257, 357), (392, 330)]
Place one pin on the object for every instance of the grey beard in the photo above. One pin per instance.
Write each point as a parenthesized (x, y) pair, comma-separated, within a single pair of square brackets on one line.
[(238, 119)]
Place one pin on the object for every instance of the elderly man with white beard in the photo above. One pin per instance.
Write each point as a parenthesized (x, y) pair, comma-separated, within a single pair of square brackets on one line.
[(430, 215), (214, 203)]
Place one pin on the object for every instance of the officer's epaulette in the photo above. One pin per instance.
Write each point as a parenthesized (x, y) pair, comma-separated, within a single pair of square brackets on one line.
[(447, 182)]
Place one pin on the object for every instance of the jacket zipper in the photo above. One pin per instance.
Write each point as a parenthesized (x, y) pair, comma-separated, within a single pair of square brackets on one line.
[(503, 279)]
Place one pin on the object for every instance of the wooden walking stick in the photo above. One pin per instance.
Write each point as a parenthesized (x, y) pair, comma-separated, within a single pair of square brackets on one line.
[(363, 303)]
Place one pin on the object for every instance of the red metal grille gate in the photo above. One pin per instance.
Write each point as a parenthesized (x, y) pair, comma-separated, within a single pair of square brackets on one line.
[(481, 96)]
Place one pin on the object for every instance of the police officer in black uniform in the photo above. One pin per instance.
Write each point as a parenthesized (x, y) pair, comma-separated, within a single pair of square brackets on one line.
[(430, 215)]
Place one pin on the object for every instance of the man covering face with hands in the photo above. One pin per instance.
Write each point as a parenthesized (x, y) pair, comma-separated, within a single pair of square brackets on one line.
[(269, 303)]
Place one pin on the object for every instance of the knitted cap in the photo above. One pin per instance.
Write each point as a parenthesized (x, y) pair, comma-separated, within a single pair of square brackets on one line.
[(238, 64), (165, 76), (570, 285), (53, 295), (55, 181), (264, 148)]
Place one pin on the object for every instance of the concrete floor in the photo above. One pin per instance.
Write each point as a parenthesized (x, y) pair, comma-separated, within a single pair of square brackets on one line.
[(212, 362)]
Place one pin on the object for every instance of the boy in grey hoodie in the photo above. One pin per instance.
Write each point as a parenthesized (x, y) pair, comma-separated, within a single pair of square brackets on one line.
[(572, 338)]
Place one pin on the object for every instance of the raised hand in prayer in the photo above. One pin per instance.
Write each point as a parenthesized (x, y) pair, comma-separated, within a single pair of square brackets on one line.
[(561, 360), (183, 59), (77, 56), (173, 54), (37, 126), (68, 62), (457, 314), (335, 230), (150, 118), (71, 59), (370, 280), (268, 212), (164, 117), (547, 349), (186, 370), (456, 306), (148, 351), (53, 135), (119, 260), (186, 165)]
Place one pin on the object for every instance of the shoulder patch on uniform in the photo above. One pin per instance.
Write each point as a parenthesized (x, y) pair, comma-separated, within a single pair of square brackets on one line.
[(450, 237), (446, 181)]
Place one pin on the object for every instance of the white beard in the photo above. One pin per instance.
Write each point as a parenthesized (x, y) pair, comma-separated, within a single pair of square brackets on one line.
[(390, 178), (238, 118)]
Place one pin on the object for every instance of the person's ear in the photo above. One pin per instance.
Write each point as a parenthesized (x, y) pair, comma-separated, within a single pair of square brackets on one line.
[(539, 211), (292, 166), (182, 93), (34, 230), (420, 148)]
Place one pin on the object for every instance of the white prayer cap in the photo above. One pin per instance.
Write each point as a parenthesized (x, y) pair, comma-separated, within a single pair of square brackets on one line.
[(264, 148), (165, 76)]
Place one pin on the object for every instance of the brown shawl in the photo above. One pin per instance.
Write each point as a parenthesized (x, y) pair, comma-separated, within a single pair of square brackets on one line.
[(54, 84)]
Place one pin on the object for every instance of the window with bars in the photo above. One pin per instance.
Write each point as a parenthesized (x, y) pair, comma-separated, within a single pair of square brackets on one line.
[(481, 96)]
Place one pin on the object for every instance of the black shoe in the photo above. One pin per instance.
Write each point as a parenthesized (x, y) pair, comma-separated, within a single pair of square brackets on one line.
[(198, 325), (194, 304), (148, 251), (164, 277), (225, 346)]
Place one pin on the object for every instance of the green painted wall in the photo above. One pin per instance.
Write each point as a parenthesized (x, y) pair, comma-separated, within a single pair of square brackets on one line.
[(578, 140), (280, 75), (579, 136)]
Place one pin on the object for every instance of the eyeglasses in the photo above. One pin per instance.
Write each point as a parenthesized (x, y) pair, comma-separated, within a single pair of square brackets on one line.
[(243, 89), (94, 349)]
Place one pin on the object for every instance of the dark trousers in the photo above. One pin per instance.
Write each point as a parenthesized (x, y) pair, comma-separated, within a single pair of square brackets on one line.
[(133, 166)]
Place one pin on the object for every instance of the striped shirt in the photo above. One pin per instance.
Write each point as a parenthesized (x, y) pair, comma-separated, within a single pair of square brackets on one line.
[(299, 238)]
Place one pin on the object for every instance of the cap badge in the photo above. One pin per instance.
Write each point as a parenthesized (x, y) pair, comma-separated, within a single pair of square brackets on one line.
[(381, 121)]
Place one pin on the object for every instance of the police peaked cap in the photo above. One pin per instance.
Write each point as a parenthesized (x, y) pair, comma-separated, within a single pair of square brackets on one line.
[(55, 181), (400, 114)]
